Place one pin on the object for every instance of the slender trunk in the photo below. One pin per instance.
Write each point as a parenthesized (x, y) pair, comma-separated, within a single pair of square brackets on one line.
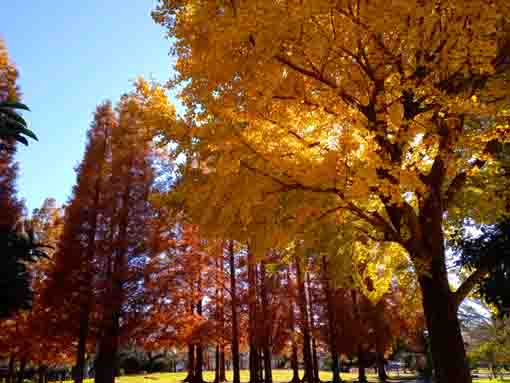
[(362, 378), (42, 372), (303, 308), (294, 363), (381, 370), (217, 364), (191, 363), (10, 372), (235, 326), (268, 373), (21, 372), (315, 359), (82, 343), (108, 347), (252, 318), (198, 376), (223, 377), (332, 325)]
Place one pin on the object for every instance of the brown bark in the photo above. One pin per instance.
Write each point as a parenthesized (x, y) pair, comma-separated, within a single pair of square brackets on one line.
[(252, 319), (21, 372), (235, 326), (223, 377), (11, 372), (439, 303), (381, 370), (198, 376), (191, 363), (362, 378), (82, 344), (331, 311), (268, 374), (315, 358), (294, 356), (304, 322)]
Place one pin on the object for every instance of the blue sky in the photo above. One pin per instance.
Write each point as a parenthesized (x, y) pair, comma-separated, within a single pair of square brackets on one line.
[(71, 56)]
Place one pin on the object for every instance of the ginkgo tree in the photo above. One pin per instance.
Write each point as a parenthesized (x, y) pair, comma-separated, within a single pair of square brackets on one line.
[(390, 113)]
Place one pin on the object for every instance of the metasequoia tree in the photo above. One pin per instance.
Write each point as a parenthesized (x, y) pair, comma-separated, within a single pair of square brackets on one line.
[(390, 113), (127, 211), (74, 277)]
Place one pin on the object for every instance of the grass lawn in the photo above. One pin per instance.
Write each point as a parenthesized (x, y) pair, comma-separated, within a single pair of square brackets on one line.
[(279, 376)]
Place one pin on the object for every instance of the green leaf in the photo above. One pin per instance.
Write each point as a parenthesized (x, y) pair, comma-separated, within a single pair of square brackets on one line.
[(13, 105), (12, 115), (21, 139)]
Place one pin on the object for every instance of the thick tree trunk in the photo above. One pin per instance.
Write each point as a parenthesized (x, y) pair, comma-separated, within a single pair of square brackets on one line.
[(332, 325), (447, 345), (426, 248), (303, 308), (235, 326), (21, 372), (191, 363)]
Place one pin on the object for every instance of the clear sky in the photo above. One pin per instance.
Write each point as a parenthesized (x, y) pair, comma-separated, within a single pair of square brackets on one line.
[(71, 56)]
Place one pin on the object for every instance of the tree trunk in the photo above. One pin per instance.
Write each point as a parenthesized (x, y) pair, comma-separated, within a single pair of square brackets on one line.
[(42, 372), (426, 248), (252, 318), (191, 363), (223, 377), (217, 364), (268, 373), (198, 377), (332, 325), (303, 308), (82, 343), (108, 347), (294, 363), (11, 372), (447, 345), (381, 370), (21, 372), (315, 359), (362, 376), (235, 326)]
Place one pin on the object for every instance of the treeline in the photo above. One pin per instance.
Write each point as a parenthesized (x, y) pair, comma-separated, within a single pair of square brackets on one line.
[(127, 270)]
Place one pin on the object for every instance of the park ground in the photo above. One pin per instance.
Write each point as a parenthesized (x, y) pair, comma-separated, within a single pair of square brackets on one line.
[(279, 376)]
